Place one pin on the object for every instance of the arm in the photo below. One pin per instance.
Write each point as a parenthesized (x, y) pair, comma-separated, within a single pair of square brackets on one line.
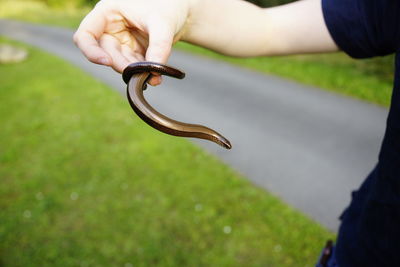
[(243, 29), (119, 32)]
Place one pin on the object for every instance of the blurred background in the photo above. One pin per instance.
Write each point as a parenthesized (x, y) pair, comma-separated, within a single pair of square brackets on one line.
[(86, 183)]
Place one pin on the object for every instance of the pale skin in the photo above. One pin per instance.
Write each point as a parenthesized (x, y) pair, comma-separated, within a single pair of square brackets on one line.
[(119, 32)]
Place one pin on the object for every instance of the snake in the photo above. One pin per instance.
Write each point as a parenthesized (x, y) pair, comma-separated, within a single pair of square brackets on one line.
[(136, 76)]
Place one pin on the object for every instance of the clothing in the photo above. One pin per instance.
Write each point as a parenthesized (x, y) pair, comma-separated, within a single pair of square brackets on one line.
[(369, 234)]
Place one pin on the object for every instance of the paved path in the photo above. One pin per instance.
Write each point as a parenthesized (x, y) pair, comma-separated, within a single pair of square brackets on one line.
[(308, 146)]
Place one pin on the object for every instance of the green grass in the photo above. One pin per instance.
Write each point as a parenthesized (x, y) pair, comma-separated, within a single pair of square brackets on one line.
[(84, 182), (369, 80), (38, 12)]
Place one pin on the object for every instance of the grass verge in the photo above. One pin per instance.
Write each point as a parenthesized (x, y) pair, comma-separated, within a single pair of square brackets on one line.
[(370, 79), (39, 12), (84, 182)]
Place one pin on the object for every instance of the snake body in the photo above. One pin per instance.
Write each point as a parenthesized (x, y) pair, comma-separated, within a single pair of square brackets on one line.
[(136, 76)]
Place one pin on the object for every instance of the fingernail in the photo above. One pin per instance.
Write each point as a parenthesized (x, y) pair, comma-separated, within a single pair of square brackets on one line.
[(157, 80), (104, 61)]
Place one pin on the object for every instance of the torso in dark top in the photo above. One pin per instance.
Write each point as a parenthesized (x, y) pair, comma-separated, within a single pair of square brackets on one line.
[(370, 231)]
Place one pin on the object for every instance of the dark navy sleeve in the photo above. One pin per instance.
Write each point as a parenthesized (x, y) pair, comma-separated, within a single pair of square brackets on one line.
[(363, 28), (370, 228)]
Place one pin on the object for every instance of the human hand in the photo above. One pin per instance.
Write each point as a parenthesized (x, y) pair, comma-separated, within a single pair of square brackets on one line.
[(117, 33)]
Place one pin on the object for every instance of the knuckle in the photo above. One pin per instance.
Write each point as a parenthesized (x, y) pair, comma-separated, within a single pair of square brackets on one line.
[(92, 59), (76, 38)]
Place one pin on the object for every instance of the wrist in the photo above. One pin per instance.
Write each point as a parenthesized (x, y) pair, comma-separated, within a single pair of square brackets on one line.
[(193, 11), (231, 27)]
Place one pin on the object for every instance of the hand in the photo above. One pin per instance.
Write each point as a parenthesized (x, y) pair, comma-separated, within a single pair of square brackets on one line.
[(119, 32)]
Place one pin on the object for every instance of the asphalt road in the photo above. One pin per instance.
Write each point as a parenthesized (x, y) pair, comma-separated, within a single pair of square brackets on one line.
[(308, 146)]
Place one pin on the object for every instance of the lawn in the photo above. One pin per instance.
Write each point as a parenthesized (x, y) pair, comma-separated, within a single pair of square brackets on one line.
[(369, 79), (86, 183), (38, 12)]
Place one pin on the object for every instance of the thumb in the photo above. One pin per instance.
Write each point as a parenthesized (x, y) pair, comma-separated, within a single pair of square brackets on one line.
[(160, 42)]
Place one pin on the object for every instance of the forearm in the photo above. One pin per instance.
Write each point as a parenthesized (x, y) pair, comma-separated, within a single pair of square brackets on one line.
[(238, 28), (231, 27)]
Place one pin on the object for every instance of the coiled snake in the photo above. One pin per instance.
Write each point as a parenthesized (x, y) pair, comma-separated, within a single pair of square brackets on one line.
[(136, 76)]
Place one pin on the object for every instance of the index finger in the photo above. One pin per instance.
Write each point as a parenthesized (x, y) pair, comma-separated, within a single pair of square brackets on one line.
[(88, 34)]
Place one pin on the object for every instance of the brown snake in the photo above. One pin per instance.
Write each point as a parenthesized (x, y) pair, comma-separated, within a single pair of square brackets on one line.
[(136, 76)]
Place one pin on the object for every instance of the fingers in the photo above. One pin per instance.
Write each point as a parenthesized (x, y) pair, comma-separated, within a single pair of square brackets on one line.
[(90, 30), (113, 48), (137, 56), (160, 43), (123, 55), (118, 49)]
